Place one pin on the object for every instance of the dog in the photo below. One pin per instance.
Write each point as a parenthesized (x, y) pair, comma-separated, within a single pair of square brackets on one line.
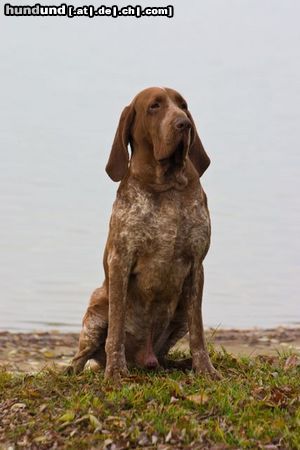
[(159, 235)]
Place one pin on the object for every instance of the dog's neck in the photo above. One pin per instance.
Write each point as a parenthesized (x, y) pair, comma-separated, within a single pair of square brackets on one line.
[(158, 176)]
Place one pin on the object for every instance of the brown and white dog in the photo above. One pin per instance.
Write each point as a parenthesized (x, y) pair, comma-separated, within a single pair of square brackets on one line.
[(158, 237)]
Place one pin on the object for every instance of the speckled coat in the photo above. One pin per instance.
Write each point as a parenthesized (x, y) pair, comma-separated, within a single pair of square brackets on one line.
[(158, 237)]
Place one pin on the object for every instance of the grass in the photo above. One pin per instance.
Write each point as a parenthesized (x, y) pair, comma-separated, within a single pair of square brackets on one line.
[(255, 405)]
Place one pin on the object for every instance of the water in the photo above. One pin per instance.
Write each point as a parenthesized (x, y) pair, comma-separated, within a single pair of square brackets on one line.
[(63, 85)]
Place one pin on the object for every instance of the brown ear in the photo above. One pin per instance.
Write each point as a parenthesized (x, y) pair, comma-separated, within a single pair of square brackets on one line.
[(197, 154), (118, 160)]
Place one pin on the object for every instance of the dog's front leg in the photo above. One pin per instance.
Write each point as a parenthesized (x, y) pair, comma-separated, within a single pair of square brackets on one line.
[(200, 357), (118, 271)]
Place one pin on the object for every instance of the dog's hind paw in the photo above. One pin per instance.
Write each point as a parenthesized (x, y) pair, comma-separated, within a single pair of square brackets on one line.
[(69, 370)]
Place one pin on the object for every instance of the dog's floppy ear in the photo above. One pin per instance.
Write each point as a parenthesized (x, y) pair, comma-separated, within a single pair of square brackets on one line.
[(118, 160), (197, 154)]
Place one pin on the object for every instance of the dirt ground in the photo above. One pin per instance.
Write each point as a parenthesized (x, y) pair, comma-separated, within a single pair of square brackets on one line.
[(30, 352)]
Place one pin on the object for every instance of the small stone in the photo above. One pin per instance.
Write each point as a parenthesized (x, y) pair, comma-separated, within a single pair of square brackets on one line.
[(264, 339)]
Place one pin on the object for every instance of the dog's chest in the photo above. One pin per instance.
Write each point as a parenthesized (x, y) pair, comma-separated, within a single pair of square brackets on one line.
[(162, 230), (159, 239)]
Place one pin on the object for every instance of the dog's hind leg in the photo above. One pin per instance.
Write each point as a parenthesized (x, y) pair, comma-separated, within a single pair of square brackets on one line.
[(94, 331), (176, 330)]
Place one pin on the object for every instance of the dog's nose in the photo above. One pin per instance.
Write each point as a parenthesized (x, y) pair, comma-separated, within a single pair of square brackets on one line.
[(183, 123)]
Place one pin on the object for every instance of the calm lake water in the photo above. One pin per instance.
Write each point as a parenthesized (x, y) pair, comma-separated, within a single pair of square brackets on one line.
[(63, 84)]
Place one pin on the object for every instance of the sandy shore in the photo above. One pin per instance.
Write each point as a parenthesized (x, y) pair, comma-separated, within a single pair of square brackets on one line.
[(28, 352)]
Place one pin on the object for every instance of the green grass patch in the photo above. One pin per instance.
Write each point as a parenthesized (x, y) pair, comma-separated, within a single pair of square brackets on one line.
[(255, 405)]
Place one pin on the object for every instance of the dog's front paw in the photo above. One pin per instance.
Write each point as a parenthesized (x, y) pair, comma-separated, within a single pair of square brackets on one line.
[(115, 373), (116, 366), (210, 371), (203, 366)]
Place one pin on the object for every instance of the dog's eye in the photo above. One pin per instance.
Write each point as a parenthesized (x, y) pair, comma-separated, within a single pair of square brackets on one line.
[(154, 106)]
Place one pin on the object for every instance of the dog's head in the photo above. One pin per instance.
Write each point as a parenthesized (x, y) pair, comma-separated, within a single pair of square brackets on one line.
[(159, 126)]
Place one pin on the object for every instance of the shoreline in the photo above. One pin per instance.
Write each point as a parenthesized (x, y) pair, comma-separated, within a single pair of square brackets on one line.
[(33, 351)]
